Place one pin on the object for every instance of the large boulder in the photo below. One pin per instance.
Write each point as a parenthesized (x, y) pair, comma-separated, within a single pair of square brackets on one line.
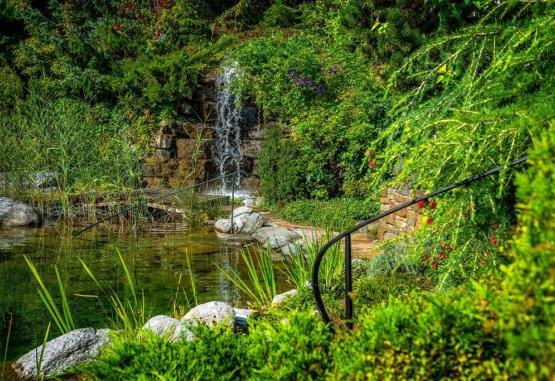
[(211, 314), (15, 213), (241, 210), (248, 223), (276, 237), (244, 222), (169, 328), (73, 348)]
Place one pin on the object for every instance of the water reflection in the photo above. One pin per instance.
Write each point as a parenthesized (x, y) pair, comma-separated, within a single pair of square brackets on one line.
[(157, 261)]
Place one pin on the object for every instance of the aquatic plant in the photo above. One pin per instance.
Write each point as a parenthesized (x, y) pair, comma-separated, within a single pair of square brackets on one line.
[(300, 259), (63, 319), (261, 285)]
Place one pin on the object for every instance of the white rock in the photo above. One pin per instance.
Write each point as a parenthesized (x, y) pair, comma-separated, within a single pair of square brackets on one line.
[(280, 298), (292, 248), (211, 314), (73, 348), (276, 236), (223, 225), (249, 223), (249, 202), (168, 327), (244, 223), (15, 213), (243, 313), (241, 210)]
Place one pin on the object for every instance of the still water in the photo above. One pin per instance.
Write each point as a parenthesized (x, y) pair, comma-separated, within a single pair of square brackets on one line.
[(157, 262)]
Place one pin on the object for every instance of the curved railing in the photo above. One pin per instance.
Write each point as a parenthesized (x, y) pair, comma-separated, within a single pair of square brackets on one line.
[(347, 235)]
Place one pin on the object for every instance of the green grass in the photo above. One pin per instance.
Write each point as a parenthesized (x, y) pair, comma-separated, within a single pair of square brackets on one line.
[(335, 214)]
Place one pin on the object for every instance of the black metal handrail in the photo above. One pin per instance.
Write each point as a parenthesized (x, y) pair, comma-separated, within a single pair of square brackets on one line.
[(347, 235), (171, 193)]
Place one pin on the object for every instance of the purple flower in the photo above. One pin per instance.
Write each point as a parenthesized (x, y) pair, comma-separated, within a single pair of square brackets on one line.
[(292, 73), (318, 89), (308, 83), (299, 80)]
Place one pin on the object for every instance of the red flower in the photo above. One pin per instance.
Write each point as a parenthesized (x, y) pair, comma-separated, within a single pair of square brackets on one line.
[(447, 246), (442, 256), (496, 226), (434, 264), (372, 164), (429, 221), (434, 205), (157, 34), (493, 240), (422, 203), (117, 27)]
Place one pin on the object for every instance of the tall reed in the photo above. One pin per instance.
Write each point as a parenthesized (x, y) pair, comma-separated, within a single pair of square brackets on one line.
[(63, 319), (300, 261), (261, 285)]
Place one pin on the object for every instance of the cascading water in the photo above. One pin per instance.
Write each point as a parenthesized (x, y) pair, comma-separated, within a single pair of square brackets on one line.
[(227, 131)]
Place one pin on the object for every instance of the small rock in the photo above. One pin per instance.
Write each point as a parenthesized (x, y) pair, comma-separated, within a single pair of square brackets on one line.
[(15, 213), (243, 313), (292, 248), (278, 299), (211, 314), (168, 327), (164, 141), (275, 236), (73, 348), (249, 202)]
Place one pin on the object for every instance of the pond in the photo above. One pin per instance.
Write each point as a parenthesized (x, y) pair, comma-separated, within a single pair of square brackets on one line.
[(156, 260)]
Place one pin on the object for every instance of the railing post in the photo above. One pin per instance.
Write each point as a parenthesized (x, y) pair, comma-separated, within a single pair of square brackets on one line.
[(232, 201), (348, 282)]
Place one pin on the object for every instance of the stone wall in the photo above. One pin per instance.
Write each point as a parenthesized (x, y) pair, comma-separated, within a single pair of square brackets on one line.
[(180, 155), (182, 151), (404, 220)]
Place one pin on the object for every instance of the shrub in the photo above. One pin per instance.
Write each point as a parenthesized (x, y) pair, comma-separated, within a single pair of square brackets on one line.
[(280, 169), (337, 214), (449, 336), (11, 89), (214, 355)]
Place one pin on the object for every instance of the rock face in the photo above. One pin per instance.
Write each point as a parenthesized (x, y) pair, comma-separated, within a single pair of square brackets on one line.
[(278, 299), (168, 327), (15, 213), (73, 348), (276, 237), (211, 314)]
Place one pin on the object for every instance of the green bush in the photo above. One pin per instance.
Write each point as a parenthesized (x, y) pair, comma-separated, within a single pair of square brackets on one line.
[(11, 89), (337, 214), (214, 355), (280, 169), (294, 348)]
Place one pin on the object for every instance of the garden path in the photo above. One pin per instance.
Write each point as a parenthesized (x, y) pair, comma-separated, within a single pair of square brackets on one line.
[(363, 246)]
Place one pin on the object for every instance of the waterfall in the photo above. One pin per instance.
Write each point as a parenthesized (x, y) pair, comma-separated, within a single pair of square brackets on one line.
[(227, 130)]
